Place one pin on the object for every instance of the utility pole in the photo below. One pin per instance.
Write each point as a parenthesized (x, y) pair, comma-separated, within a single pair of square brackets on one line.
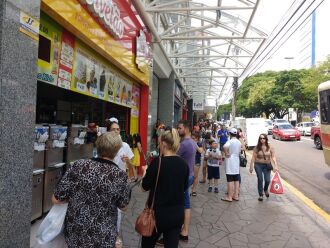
[(233, 108)]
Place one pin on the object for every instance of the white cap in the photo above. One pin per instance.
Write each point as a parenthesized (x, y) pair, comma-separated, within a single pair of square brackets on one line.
[(233, 131), (113, 119)]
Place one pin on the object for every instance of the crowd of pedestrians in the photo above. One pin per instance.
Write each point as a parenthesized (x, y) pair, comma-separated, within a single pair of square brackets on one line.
[(97, 189)]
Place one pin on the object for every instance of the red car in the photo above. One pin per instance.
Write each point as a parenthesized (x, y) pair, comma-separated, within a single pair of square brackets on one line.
[(285, 132), (316, 136)]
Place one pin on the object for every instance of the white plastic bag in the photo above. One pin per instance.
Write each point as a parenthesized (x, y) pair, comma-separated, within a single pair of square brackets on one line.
[(53, 224)]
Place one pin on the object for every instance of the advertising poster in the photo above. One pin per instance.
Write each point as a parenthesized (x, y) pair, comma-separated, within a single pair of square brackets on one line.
[(129, 94), (111, 87), (93, 76), (104, 81), (66, 60), (135, 101), (49, 50), (123, 94), (80, 70), (86, 78), (118, 82)]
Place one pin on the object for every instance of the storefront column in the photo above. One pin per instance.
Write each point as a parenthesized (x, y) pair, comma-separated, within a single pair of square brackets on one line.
[(143, 123), (18, 70), (166, 100)]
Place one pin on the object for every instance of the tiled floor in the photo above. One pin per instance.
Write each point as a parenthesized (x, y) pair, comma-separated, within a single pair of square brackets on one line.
[(280, 221)]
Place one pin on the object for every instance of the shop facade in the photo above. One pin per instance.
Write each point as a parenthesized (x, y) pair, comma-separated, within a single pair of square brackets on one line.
[(90, 61)]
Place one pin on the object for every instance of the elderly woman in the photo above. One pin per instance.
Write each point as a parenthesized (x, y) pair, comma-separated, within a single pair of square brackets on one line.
[(94, 189), (169, 196)]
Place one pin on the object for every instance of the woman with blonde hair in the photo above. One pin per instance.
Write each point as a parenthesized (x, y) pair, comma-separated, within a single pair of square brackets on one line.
[(94, 189), (172, 183)]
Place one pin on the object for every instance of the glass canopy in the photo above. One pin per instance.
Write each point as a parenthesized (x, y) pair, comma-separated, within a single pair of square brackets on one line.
[(209, 42)]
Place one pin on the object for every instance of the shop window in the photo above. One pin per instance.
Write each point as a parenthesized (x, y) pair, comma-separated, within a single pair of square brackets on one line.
[(44, 48)]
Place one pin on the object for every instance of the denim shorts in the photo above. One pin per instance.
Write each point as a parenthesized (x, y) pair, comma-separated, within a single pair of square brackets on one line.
[(186, 203)]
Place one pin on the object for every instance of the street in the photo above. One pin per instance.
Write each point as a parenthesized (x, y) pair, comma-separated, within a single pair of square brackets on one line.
[(303, 166)]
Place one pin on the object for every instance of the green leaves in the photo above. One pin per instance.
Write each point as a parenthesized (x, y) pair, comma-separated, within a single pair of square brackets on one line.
[(272, 93)]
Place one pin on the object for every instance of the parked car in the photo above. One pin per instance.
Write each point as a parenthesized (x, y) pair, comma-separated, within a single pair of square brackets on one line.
[(305, 127), (285, 131), (280, 121), (269, 126), (316, 136)]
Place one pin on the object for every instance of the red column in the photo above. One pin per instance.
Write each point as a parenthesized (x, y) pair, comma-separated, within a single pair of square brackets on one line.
[(143, 120)]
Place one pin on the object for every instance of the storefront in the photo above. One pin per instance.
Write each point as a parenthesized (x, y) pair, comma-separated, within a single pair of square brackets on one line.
[(93, 63)]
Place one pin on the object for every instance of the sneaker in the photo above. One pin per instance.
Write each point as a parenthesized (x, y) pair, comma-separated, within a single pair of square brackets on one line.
[(210, 189), (216, 190), (260, 198), (160, 242)]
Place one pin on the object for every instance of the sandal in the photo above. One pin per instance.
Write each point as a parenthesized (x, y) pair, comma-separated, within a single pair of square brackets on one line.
[(193, 194), (224, 199), (202, 181)]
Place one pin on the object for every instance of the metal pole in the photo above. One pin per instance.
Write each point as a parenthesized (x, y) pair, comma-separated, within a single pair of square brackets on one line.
[(233, 110)]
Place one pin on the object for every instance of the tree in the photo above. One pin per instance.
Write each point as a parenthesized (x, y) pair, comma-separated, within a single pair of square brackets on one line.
[(223, 109)]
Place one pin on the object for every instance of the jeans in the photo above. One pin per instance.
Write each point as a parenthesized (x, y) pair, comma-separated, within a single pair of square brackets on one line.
[(171, 238), (186, 193), (262, 169)]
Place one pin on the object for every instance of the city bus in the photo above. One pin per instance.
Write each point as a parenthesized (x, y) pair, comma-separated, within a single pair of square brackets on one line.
[(324, 112)]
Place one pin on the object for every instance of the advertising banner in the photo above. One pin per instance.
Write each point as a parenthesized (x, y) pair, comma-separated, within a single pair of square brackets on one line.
[(66, 62), (49, 49), (198, 104)]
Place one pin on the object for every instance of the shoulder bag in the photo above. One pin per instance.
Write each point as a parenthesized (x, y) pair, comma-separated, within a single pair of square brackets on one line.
[(146, 222), (268, 166)]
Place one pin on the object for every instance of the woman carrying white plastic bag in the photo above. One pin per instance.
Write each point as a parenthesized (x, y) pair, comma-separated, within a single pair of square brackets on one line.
[(53, 224)]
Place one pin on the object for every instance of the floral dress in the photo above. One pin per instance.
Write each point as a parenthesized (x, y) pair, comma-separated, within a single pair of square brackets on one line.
[(94, 188)]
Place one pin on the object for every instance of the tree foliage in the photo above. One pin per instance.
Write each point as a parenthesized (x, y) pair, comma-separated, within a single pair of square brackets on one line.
[(273, 93)]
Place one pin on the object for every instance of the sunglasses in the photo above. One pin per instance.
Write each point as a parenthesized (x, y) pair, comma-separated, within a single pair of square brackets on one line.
[(262, 138)]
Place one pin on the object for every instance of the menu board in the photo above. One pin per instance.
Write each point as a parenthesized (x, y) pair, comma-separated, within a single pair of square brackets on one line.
[(66, 60), (70, 64)]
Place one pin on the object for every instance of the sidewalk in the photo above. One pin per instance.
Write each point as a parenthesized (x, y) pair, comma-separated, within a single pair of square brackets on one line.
[(280, 221)]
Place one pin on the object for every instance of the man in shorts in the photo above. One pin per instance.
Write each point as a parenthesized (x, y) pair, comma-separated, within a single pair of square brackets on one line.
[(232, 150)]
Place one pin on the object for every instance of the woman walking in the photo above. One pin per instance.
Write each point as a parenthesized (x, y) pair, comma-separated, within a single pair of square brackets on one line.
[(263, 160), (172, 183), (94, 189)]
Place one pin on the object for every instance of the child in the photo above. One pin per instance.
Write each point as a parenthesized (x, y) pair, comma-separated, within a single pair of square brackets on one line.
[(137, 150), (213, 156)]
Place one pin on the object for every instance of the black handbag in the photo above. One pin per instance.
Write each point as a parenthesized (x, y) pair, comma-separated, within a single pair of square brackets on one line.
[(242, 161)]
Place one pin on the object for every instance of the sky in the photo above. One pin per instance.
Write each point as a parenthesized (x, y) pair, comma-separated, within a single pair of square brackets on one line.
[(288, 56)]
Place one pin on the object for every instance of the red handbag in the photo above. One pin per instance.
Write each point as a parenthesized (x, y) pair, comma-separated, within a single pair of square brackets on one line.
[(146, 222)]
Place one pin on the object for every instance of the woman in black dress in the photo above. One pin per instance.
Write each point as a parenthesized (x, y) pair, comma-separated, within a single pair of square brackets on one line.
[(169, 197), (94, 189)]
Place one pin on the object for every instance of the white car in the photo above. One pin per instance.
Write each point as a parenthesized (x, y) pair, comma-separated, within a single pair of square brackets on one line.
[(305, 127)]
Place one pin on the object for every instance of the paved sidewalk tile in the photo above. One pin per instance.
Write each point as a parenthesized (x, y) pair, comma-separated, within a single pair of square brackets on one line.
[(280, 221)]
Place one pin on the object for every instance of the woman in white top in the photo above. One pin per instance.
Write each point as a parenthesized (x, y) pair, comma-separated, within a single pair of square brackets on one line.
[(232, 150)]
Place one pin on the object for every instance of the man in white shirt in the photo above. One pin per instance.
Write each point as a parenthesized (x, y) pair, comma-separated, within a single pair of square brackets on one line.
[(232, 150)]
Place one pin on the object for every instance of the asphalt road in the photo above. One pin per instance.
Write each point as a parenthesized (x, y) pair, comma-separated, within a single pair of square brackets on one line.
[(303, 166)]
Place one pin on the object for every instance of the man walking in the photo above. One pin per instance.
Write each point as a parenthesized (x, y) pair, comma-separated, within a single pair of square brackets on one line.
[(187, 151), (222, 136)]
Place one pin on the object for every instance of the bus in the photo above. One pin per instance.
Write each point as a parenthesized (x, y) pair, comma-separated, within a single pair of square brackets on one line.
[(324, 112)]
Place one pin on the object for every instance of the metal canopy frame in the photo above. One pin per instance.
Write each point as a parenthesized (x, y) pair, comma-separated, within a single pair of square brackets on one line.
[(205, 41)]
